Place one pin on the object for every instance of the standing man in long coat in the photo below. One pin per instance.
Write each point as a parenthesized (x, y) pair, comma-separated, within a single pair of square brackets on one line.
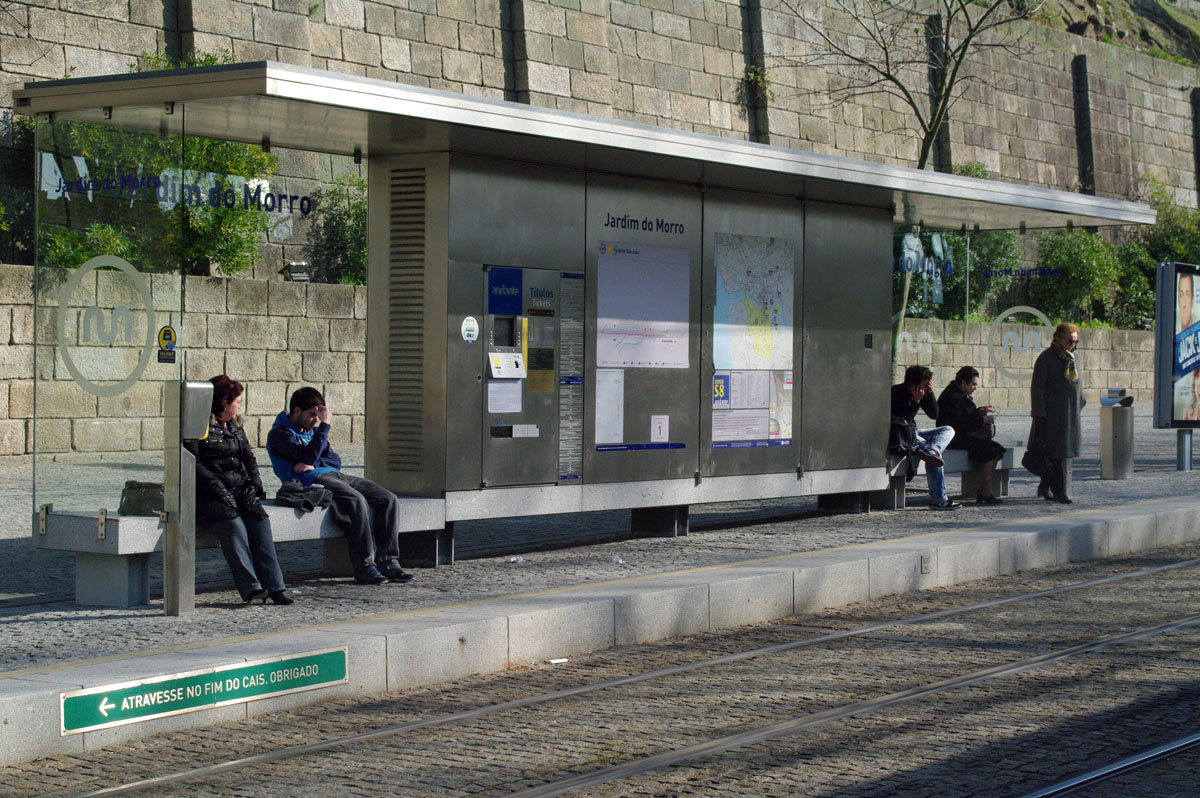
[(1056, 400)]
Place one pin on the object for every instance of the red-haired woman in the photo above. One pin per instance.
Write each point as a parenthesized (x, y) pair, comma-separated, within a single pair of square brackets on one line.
[(228, 498)]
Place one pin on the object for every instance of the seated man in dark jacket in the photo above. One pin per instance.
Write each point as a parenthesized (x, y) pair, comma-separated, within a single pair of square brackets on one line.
[(916, 393), (299, 448)]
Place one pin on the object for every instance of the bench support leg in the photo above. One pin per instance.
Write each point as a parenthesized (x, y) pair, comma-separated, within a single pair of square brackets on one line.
[(855, 502), (337, 557), (971, 483), (659, 522), (890, 498), (428, 549), (112, 580)]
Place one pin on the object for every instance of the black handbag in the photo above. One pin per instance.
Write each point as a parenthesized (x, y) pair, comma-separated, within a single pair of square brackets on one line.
[(141, 498), (986, 429)]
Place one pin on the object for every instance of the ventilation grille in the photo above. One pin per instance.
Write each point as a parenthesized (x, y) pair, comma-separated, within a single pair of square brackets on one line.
[(406, 319)]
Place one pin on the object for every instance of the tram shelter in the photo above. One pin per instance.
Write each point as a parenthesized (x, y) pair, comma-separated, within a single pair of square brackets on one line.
[(564, 313)]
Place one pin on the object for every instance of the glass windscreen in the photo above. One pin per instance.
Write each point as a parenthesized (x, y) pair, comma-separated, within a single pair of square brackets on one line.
[(114, 205)]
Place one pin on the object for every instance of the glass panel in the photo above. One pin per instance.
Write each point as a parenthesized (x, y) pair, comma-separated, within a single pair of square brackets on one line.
[(112, 203)]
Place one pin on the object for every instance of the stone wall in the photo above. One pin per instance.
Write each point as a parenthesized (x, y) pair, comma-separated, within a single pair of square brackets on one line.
[(1105, 358), (274, 336)]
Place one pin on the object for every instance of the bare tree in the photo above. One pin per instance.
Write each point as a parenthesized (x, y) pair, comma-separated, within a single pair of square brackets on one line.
[(924, 53)]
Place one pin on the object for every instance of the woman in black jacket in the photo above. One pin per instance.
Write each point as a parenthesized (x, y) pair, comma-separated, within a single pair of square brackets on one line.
[(228, 498), (957, 409)]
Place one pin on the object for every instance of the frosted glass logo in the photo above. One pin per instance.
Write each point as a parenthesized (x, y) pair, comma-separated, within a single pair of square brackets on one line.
[(1011, 341), (106, 326)]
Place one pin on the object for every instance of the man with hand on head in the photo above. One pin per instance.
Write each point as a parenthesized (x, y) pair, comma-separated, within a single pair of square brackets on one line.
[(299, 448)]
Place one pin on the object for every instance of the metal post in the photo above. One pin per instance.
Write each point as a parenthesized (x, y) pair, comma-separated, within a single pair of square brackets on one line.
[(967, 298), (186, 418), (1183, 450)]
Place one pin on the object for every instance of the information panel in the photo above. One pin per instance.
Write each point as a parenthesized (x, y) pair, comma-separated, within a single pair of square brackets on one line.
[(752, 341), (132, 702), (642, 306)]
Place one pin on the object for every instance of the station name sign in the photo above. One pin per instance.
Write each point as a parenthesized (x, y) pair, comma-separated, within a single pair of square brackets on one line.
[(133, 702)]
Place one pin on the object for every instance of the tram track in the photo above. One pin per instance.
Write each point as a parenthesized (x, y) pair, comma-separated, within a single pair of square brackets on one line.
[(774, 730), (1120, 767)]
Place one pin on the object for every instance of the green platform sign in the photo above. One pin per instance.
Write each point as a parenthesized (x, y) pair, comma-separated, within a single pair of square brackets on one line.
[(133, 702)]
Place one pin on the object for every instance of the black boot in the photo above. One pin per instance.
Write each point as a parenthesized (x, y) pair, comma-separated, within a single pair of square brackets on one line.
[(1058, 480), (1044, 490)]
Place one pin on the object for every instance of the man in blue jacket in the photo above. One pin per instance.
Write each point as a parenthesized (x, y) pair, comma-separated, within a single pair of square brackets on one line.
[(299, 448)]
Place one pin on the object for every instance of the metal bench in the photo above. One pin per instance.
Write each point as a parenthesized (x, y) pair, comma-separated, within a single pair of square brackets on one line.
[(112, 552), (957, 462)]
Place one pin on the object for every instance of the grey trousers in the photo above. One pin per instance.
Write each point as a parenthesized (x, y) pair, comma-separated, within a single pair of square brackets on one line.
[(374, 514)]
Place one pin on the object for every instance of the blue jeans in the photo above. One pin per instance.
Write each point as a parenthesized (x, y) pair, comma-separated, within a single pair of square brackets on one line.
[(936, 439), (250, 551)]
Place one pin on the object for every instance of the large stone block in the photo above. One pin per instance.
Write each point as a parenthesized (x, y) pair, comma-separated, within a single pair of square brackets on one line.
[(204, 294), (324, 367), (357, 366), (283, 366), (546, 79), (106, 435), (360, 47), (330, 301), (53, 435), (12, 436), (203, 364), (326, 40), (286, 299), (288, 30), (345, 14), (462, 67), (16, 362), (245, 365), (152, 434), (21, 328), (16, 284), (55, 399), (396, 54), (441, 32), (308, 335), (104, 9), (345, 398), (247, 296), (535, 17), (247, 332), (347, 335), (222, 17)]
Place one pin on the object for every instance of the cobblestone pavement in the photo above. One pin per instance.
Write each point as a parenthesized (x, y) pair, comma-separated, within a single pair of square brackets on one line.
[(41, 626), (998, 738)]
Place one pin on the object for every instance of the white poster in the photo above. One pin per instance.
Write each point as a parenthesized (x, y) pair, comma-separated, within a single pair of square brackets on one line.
[(504, 396), (610, 406), (642, 306)]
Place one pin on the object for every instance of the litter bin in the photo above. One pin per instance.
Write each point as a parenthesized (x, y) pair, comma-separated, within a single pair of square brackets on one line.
[(1116, 435)]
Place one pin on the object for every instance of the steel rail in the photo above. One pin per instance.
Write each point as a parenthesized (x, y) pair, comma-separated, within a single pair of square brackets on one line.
[(470, 714), (1120, 767), (794, 725)]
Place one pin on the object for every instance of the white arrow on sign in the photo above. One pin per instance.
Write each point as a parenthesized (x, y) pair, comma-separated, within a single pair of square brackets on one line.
[(105, 706)]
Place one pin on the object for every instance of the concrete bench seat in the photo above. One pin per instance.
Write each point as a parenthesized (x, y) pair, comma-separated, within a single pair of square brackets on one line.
[(957, 462), (112, 565)]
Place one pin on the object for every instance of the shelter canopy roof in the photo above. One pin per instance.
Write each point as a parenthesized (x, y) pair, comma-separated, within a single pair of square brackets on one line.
[(307, 109)]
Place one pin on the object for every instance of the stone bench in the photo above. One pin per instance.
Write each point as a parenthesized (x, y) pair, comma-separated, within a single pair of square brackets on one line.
[(957, 462), (112, 560)]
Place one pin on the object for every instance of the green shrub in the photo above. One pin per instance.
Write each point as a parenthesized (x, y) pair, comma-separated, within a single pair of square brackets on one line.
[(337, 241)]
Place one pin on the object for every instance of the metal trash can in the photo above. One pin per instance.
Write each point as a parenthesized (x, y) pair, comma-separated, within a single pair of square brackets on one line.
[(1116, 434)]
